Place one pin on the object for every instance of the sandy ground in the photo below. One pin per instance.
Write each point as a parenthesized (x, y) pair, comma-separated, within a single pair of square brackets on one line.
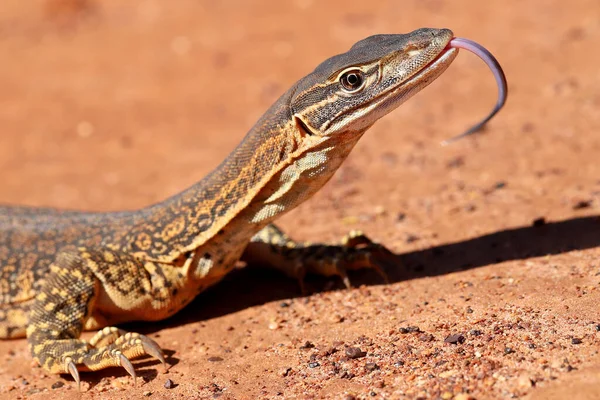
[(114, 105)]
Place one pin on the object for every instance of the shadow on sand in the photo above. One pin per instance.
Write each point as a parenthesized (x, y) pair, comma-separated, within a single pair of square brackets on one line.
[(253, 286)]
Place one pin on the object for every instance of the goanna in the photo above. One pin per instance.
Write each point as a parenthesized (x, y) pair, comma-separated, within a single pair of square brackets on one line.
[(62, 272)]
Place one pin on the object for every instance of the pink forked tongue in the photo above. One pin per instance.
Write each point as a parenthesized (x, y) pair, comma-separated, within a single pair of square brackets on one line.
[(491, 62)]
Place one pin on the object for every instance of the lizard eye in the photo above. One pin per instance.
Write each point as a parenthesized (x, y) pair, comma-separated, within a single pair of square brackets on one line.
[(353, 80)]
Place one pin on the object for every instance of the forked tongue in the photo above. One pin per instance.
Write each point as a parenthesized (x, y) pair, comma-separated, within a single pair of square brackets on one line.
[(491, 62)]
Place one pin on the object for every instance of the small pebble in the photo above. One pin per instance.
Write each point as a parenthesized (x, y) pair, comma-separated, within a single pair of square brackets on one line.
[(508, 350), (475, 332), (455, 338), (307, 345), (313, 364), (57, 384), (169, 384), (426, 337), (355, 352), (347, 375), (327, 351), (411, 238), (576, 341), (580, 205), (409, 329), (215, 359), (597, 327), (370, 367), (147, 393), (216, 389)]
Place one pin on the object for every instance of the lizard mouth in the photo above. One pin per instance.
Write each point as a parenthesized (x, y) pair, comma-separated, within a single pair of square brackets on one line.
[(437, 58), (418, 80)]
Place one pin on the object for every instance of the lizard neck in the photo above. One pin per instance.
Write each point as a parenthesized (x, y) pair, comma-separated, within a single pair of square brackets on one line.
[(296, 180), (187, 220)]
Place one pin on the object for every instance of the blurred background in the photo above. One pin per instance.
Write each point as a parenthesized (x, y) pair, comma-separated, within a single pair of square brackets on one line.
[(111, 104)]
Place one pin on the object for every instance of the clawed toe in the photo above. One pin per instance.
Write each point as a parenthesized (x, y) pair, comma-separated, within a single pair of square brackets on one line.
[(153, 350), (342, 274), (376, 263), (116, 354), (126, 364), (72, 368)]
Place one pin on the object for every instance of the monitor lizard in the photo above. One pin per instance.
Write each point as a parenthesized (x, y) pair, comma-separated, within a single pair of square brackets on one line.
[(62, 272)]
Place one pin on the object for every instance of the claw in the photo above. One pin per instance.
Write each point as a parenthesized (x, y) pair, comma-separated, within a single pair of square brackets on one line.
[(346, 281), (381, 272), (70, 366), (342, 274), (154, 350), (126, 364)]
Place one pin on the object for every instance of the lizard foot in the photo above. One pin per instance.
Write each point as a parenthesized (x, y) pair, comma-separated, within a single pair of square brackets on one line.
[(273, 248), (110, 347), (113, 347), (356, 251)]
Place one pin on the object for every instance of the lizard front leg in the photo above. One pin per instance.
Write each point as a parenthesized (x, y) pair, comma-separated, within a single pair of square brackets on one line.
[(272, 247), (67, 302)]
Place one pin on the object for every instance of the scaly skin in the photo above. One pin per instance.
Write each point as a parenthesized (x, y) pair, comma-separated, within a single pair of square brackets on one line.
[(64, 271)]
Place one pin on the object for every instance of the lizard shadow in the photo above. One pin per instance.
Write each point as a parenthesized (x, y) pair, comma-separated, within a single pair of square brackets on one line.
[(249, 287)]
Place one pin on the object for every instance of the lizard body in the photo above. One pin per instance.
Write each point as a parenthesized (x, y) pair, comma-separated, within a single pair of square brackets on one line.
[(65, 271)]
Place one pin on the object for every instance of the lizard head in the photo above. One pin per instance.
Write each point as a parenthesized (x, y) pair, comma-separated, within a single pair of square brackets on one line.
[(347, 93)]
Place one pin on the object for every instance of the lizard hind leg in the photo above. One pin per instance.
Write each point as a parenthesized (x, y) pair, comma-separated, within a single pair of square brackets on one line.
[(274, 248), (58, 315)]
